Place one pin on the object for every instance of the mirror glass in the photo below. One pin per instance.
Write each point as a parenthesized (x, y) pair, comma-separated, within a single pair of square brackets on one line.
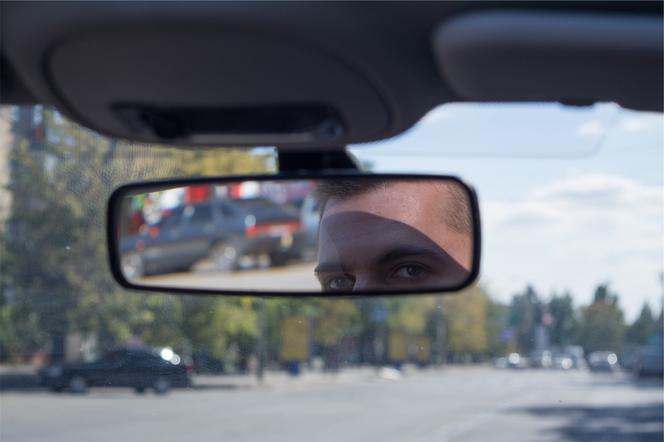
[(348, 235)]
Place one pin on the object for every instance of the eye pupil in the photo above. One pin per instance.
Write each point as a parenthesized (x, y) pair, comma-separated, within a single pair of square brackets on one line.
[(409, 271), (340, 283)]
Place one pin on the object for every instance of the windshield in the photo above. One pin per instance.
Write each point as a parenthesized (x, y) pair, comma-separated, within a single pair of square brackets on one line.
[(561, 339)]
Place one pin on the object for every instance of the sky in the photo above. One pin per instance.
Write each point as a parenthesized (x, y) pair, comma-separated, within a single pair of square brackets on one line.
[(569, 197)]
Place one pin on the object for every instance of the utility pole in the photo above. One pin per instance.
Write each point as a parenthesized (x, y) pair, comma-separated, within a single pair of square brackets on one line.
[(262, 339), (439, 332)]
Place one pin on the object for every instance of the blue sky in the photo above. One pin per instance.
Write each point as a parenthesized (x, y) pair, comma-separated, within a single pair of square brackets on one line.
[(570, 197)]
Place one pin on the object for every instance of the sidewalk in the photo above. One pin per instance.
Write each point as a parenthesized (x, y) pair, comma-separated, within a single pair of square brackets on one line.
[(278, 379), (24, 378), (281, 379)]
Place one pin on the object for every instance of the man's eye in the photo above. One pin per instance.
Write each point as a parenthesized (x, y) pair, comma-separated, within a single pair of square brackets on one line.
[(339, 283), (409, 271)]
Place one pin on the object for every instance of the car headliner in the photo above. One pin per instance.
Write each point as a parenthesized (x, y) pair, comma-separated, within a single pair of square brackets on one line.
[(379, 66)]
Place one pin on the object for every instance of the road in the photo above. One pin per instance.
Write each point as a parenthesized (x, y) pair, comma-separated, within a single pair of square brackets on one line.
[(296, 277), (451, 404)]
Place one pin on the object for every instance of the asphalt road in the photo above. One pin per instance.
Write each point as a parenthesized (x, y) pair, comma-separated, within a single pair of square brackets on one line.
[(453, 404), (296, 277)]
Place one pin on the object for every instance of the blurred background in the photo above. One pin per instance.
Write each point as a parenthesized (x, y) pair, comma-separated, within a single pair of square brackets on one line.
[(59, 304)]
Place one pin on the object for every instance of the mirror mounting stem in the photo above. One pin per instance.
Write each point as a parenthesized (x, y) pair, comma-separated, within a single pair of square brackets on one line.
[(307, 161)]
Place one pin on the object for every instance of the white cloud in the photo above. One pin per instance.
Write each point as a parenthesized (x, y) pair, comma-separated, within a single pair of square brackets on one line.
[(598, 191), (590, 128), (577, 232), (640, 122)]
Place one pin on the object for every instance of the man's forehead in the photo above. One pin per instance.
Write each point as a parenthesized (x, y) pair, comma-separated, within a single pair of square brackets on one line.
[(401, 201), (359, 239)]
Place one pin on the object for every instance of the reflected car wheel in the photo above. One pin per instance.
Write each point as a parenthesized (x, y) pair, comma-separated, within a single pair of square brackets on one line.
[(78, 385), (279, 259), (224, 256), (132, 266), (161, 385)]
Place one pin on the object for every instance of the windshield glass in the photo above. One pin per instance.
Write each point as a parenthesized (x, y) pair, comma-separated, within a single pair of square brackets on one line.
[(561, 339)]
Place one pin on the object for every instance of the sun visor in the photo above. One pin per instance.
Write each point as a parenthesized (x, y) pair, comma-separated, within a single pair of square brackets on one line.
[(575, 58), (214, 87)]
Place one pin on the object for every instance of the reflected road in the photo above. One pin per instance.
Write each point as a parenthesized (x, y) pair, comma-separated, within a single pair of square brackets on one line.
[(453, 404), (297, 277)]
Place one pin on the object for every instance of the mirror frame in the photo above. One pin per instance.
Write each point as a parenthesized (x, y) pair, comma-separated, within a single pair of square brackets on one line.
[(113, 218)]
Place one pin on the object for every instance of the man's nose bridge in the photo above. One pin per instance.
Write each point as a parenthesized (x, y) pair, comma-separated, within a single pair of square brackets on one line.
[(362, 283)]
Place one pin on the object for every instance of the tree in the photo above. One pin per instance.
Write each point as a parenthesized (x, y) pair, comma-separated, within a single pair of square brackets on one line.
[(372, 329), (409, 315), (563, 330), (222, 328), (523, 317), (40, 286), (61, 176), (602, 323), (335, 319), (279, 309), (496, 320), (644, 326), (466, 321)]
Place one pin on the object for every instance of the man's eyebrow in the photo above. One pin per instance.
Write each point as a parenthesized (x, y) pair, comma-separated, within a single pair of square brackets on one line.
[(328, 267), (405, 251)]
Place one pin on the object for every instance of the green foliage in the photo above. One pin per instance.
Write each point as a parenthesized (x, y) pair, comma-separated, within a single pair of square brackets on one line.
[(496, 321), (227, 162), (644, 326), (465, 316), (20, 331), (60, 185), (602, 323), (336, 318), (409, 315), (564, 329), (213, 325), (278, 309), (524, 316)]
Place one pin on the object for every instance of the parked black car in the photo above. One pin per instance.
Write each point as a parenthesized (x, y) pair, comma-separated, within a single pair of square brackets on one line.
[(603, 361), (225, 231), (159, 369)]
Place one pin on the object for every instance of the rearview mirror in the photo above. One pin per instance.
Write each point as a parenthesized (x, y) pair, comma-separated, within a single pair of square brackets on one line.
[(304, 235)]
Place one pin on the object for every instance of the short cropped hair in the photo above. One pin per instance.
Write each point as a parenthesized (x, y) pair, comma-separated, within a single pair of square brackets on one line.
[(456, 214)]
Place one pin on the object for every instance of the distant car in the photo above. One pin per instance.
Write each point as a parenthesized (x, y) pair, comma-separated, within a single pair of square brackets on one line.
[(651, 359), (577, 355), (562, 362), (159, 369), (650, 363), (603, 361), (513, 360), (541, 359), (225, 231)]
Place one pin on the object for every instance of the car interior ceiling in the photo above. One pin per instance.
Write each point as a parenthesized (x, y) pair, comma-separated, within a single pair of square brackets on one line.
[(336, 74)]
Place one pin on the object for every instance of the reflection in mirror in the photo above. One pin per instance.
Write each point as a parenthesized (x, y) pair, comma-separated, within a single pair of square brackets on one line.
[(346, 235)]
